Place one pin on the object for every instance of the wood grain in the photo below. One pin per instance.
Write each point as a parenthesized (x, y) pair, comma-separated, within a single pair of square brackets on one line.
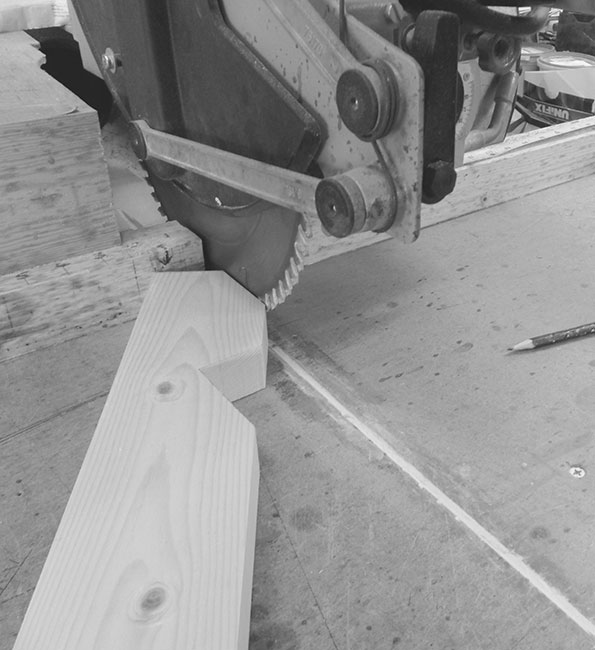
[(520, 166), (55, 302), (155, 548), (56, 197)]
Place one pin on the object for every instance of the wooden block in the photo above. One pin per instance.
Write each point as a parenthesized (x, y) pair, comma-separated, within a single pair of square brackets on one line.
[(521, 165), (56, 197), (32, 14), (51, 303), (155, 548)]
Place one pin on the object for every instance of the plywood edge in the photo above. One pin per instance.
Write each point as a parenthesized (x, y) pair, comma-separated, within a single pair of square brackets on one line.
[(53, 303), (155, 548)]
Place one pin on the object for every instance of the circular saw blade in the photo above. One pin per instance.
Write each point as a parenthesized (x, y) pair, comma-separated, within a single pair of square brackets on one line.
[(261, 245)]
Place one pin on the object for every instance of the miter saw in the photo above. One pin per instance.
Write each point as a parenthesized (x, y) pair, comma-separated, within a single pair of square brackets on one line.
[(254, 117)]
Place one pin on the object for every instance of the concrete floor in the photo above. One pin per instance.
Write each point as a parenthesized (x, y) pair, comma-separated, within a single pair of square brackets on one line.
[(351, 553)]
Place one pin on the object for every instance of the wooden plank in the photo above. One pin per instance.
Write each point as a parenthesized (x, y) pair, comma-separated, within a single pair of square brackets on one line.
[(51, 303), (520, 166), (53, 177), (155, 548)]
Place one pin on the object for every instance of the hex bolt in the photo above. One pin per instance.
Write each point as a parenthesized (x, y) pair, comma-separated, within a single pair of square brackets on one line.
[(110, 61), (498, 54)]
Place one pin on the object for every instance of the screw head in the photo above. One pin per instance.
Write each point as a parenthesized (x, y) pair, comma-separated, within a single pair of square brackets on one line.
[(576, 471), (110, 61)]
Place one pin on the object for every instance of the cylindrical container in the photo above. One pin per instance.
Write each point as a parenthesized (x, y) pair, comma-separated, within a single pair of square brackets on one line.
[(560, 61), (531, 53)]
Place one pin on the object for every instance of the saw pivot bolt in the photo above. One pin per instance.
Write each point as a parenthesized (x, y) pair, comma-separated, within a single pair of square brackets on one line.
[(497, 53), (361, 199), (137, 141), (110, 61), (163, 170), (367, 100), (340, 205)]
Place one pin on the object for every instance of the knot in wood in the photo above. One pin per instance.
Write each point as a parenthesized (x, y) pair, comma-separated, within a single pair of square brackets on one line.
[(153, 599), (168, 390), (151, 603)]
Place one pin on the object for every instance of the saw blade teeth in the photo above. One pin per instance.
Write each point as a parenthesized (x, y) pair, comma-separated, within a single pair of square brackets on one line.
[(299, 260), (301, 239), (291, 276), (306, 227), (147, 179), (300, 251)]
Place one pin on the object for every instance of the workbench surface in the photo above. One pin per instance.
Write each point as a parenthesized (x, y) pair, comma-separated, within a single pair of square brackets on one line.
[(351, 552)]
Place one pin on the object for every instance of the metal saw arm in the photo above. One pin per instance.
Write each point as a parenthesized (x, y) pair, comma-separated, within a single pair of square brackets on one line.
[(378, 186), (250, 114)]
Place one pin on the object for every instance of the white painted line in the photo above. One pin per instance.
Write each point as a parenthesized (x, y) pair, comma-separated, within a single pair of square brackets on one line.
[(513, 559)]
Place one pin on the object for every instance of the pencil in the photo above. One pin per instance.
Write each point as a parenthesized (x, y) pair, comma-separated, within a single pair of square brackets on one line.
[(555, 337)]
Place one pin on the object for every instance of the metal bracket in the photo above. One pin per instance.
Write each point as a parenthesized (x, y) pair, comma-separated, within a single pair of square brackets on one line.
[(301, 47)]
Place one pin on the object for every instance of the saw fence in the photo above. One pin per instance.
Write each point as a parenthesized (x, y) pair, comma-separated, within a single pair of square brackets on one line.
[(66, 266)]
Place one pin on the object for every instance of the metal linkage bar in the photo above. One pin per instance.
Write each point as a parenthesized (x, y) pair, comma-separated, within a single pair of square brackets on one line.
[(274, 184)]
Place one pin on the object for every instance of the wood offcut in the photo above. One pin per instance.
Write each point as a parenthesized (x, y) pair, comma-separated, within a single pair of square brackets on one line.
[(156, 546)]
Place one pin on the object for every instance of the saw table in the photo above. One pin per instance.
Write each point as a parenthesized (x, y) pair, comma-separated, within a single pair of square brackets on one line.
[(408, 344)]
